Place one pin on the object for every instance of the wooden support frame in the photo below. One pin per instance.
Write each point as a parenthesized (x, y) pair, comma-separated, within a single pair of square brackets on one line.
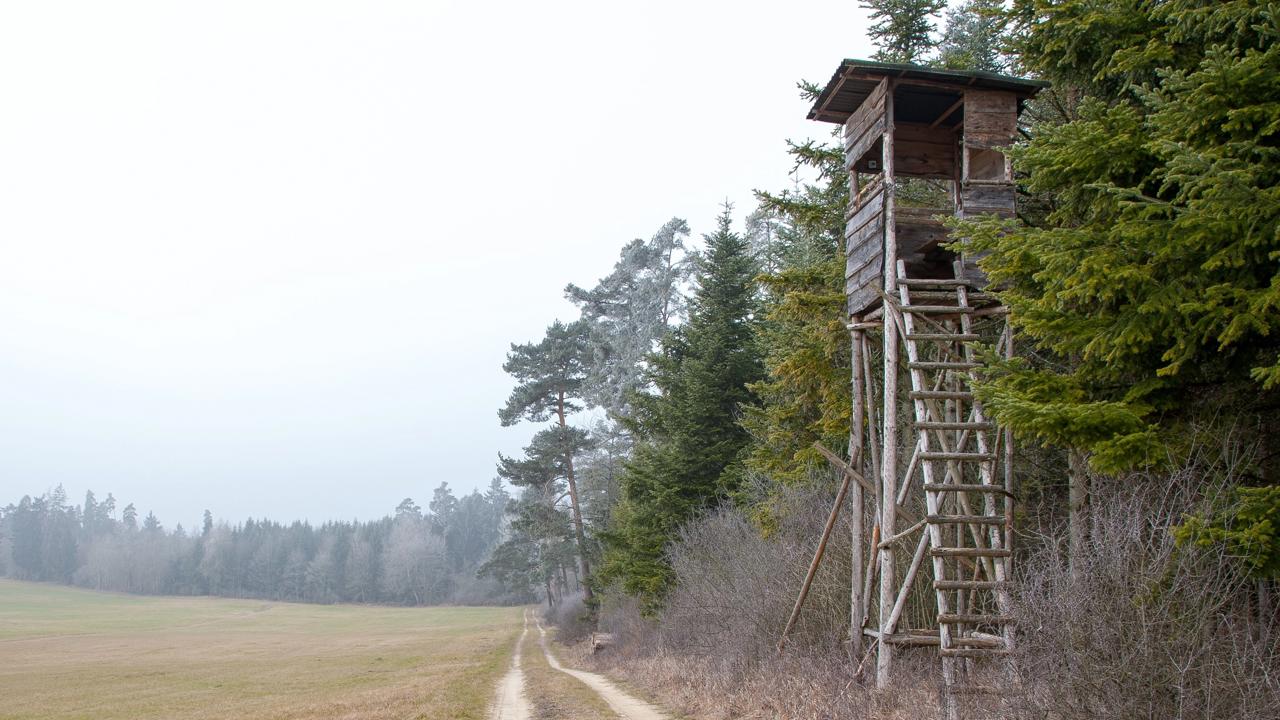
[(929, 478)]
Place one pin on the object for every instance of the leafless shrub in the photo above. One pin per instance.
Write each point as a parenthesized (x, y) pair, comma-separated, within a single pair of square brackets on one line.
[(1136, 626), (620, 617), (735, 586), (570, 618), (713, 652)]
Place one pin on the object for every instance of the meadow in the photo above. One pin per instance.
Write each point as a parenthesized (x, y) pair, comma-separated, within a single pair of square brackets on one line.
[(70, 653)]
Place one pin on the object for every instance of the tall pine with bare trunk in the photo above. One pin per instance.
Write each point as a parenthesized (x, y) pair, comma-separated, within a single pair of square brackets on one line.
[(551, 375)]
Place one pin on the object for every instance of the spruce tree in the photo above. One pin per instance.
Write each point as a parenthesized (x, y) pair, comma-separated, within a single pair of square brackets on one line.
[(902, 29), (973, 38), (1151, 286), (691, 446), (805, 396)]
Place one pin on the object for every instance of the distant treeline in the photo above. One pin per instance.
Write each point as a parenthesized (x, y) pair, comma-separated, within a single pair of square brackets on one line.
[(413, 557)]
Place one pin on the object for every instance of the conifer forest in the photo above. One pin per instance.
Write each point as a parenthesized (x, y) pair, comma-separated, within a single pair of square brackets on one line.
[(684, 513)]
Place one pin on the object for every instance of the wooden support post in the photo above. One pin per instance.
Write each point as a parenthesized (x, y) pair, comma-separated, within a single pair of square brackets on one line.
[(855, 501), (889, 454), (846, 477)]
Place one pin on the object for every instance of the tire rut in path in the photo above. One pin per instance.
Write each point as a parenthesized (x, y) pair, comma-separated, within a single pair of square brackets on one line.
[(511, 702), (626, 706)]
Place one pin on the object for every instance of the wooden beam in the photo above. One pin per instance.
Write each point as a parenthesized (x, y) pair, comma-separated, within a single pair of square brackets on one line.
[(889, 453), (856, 500), (947, 113), (817, 559)]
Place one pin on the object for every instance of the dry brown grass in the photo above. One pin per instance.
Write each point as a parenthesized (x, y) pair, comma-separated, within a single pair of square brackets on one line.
[(796, 688), (68, 653)]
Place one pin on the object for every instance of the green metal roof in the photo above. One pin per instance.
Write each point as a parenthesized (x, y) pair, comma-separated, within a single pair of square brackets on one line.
[(855, 79)]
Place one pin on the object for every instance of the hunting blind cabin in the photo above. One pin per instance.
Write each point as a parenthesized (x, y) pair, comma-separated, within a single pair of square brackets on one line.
[(932, 476)]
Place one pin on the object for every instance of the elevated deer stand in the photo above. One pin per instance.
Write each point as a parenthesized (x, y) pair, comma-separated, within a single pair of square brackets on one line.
[(933, 471)]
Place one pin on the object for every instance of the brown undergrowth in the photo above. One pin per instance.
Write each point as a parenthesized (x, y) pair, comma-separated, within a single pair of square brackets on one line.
[(1136, 626)]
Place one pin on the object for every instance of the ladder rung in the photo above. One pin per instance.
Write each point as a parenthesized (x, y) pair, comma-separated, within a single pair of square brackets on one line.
[(973, 618), (972, 295), (969, 552), (941, 395), (936, 309), (972, 652), (931, 365), (929, 425), (948, 337), (935, 282), (979, 642), (968, 585), (957, 456), (965, 519), (965, 487)]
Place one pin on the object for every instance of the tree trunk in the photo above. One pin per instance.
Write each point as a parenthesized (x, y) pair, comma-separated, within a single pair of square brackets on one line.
[(577, 510), (1078, 505)]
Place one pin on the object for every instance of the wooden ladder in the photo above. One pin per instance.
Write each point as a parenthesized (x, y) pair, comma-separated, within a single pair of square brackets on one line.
[(969, 510)]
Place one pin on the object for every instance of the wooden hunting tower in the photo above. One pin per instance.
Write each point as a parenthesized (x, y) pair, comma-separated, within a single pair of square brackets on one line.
[(934, 475)]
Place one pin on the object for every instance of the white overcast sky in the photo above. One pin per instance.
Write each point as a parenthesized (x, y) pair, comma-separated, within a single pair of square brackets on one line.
[(266, 258)]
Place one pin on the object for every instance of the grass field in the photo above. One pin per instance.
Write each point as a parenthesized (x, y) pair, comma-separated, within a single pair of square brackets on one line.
[(68, 653)]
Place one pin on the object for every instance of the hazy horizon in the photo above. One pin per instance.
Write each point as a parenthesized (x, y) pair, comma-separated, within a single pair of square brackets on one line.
[(267, 258)]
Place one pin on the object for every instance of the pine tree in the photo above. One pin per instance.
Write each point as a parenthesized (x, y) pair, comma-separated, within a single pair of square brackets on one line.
[(551, 375), (629, 310), (130, 517), (691, 446)]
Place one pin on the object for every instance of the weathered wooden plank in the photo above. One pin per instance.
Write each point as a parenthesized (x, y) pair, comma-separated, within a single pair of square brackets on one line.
[(923, 214), (857, 148), (870, 236), (869, 246), (859, 285), (861, 298), (990, 118), (871, 110), (865, 125), (863, 119), (869, 275), (991, 131), (919, 132), (920, 151), (867, 272), (861, 225), (867, 193), (873, 105), (987, 198), (871, 206), (923, 162), (916, 238), (983, 100)]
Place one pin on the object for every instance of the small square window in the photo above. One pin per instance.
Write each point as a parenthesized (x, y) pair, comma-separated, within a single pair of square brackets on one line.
[(988, 165)]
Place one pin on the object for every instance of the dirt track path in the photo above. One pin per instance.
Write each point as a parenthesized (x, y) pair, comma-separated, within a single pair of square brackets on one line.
[(513, 704), (626, 706)]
